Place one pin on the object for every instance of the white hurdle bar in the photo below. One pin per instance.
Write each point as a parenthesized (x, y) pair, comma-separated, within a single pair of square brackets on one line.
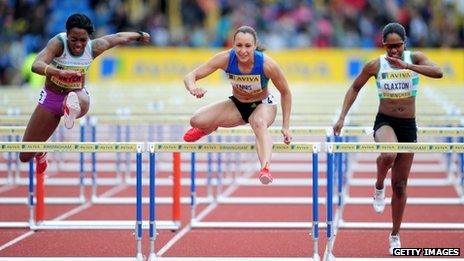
[(159, 147), (379, 147)]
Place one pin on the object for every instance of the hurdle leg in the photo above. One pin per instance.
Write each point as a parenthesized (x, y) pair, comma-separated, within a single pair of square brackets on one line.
[(219, 173), (17, 171), (176, 187), (94, 179), (40, 197), (330, 237), (31, 194), (128, 158), (152, 228), (315, 233), (81, 160), (138, 192), (210, 171), (193, 200)]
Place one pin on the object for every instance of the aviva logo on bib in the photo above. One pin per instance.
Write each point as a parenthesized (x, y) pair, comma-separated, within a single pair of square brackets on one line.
[(402, 74)]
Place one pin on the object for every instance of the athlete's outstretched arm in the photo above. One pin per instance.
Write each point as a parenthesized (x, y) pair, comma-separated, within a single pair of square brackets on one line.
[(421, 64), (218, 61), (370, 69), (274, 72), (106, 42)]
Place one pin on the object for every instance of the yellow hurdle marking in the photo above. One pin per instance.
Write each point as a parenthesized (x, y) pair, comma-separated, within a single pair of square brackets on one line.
[(441, 131), (300, 131), (71, 146), (394, 147), (300, 147)]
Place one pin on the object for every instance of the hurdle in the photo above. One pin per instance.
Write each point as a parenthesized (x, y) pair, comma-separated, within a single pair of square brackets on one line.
[(160, 147), (370, 147), (137, 148), (304, 131), (174, 200), (451, 179)]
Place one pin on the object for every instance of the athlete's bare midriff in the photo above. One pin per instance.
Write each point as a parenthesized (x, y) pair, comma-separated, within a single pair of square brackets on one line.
[(247, 98), (399, 108)]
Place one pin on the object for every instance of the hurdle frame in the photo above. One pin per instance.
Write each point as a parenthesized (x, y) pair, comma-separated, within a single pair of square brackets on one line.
[(160, 147), (378, 147), (128, 147)]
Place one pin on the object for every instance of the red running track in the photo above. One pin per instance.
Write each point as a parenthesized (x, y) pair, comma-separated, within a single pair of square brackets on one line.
[(188, 242)]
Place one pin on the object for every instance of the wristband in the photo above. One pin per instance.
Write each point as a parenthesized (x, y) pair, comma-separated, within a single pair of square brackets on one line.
[(45, 71), (141, 36)]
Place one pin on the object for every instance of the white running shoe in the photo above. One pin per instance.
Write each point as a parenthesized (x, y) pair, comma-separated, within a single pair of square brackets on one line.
[(394, 242), (379, 200), (71, 109)]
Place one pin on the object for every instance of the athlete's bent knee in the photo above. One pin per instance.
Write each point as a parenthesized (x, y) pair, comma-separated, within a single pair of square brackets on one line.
[(399, 188), (25, 157), (387, 159), (198, 122), (258, 124)]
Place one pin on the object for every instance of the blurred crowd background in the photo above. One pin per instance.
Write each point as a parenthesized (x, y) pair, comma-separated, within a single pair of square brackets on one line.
[(27, 25)]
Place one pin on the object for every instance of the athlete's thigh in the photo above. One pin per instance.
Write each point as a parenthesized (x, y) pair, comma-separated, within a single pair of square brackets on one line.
[(41, 125), (265, 112), (222, 114), (385, 134)]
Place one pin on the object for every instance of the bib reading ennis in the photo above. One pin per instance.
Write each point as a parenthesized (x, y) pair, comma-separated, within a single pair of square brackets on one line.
[(396, 83), (247, 83), (67, 61)]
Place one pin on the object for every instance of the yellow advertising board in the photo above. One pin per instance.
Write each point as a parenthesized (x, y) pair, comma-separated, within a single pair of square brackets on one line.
[(149, 65)]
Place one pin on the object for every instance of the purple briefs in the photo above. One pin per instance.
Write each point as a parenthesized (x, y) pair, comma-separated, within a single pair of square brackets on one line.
[(52, 101)]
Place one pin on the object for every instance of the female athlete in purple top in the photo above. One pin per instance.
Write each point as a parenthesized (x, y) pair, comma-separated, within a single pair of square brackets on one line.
[(64, 63)]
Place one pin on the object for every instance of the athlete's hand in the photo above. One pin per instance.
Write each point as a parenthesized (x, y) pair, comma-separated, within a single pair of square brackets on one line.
[(144, 38), (398, 63), (198, 92), (337, 128), (287, 136), (69, 73)]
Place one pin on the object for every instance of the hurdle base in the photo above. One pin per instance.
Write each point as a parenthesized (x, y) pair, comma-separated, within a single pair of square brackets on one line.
[(387, 225), (411, 201), (243, 224), (49, 200), (14, 224)]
